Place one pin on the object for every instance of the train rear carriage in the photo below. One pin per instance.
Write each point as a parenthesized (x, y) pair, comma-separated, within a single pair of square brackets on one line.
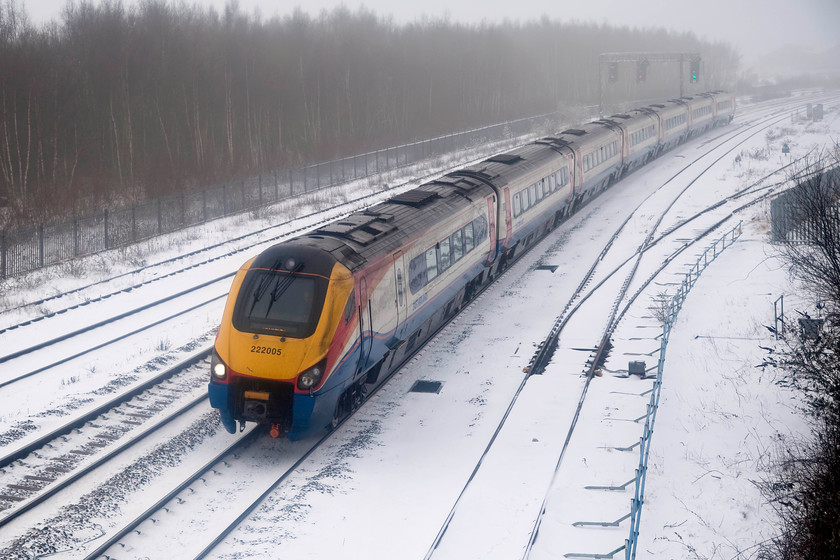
[(673, 123), (700, 113), (723, 108)]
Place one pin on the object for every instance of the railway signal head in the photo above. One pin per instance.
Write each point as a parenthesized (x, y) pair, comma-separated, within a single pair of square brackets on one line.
[(641, 70), (612, 74), (694, 69)]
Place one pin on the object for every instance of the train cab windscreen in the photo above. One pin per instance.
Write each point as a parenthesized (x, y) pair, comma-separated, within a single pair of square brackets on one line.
[(279, 303)]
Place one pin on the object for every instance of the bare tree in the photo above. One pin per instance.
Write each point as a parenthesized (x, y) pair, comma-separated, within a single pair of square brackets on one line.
[(814, 202)]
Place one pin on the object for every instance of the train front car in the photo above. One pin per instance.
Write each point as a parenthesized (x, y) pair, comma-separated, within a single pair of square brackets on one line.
[(276, 346)]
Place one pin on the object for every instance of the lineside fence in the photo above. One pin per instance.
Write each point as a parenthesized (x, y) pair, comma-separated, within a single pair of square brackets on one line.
[(674, 306), (791, 219), (26, 249)]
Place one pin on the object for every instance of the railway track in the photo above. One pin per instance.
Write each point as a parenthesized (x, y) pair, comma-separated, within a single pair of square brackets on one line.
[(611, 279), (130, 538), (36, 471)]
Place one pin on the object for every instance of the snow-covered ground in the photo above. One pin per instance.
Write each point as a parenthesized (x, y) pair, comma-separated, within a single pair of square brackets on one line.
[(384, 485)]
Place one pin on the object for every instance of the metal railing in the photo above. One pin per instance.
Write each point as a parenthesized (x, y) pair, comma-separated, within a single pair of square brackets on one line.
[(26, 249), (795, 214), (673, 307)]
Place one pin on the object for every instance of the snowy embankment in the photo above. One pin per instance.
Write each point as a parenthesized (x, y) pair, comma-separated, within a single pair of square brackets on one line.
[(723, 419)]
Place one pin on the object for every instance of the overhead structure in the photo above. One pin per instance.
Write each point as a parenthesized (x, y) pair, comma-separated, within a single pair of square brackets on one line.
[(616, 69)]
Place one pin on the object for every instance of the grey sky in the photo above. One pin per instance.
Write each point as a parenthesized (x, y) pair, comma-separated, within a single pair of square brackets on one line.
[(755, 27)]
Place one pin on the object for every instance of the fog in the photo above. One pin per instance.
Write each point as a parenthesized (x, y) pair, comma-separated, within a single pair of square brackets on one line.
[(756, 28)]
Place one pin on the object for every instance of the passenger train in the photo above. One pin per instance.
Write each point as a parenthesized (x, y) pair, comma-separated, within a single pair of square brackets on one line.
[(314, 323)]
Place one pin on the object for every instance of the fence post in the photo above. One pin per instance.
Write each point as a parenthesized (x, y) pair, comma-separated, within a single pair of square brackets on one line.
[(160, 216), (106, 230), (3, 254), (75, 236), (41, 243)]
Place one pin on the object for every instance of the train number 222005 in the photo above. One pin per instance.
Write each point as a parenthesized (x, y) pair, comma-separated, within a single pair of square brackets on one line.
[(265, 350)]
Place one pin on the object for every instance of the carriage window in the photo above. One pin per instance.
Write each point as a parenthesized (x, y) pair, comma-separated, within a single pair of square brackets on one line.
[(532, 193), (517, 204), (431, 264), (417, 273), (469, 241), (444, 254), (479, 229), (457, 241)]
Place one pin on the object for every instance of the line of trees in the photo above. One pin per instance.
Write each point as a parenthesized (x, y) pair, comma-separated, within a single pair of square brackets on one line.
[(117, 104)]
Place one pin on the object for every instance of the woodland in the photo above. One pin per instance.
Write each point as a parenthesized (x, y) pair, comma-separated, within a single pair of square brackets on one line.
[(115, 104)]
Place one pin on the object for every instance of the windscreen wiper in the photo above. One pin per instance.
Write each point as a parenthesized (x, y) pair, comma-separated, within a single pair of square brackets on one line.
[(281, 287), (259, 292)]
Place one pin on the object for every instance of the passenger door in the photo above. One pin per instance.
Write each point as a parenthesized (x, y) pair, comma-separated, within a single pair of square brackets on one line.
[(400, 296), (365, 326)]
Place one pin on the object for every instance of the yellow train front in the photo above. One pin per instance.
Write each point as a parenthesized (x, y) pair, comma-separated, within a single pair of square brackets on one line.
[(281, 339)]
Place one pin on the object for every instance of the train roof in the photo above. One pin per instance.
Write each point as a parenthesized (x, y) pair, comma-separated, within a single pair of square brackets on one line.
[(384, 228), (501, 169)]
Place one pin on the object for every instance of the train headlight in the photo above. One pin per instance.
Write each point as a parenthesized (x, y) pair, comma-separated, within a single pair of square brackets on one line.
[(310, 378), (218, 369)]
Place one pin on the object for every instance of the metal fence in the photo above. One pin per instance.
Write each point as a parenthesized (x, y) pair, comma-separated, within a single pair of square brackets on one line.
[(26, 249), (674, 306), (791, 212)]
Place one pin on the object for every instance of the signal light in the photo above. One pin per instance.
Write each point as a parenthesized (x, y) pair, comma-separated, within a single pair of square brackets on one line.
[(694, 69), (612, 76), (641, 70)]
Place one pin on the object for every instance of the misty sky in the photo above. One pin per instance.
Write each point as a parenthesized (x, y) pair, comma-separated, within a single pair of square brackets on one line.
[(755, 27)]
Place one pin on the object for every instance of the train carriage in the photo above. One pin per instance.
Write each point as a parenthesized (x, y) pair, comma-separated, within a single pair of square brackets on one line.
[(700, 113), (640, 137), (597, 152), (723, 108), (673, 123), (534, 185)]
